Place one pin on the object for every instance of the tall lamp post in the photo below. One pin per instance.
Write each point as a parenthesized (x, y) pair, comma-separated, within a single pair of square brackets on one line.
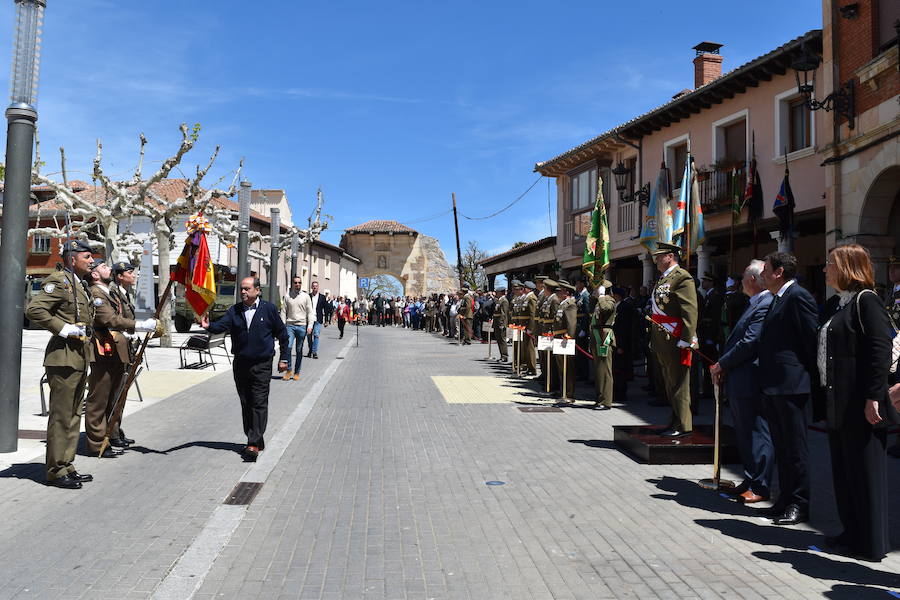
[(243, 267), (21, 117), (295, 250), (273, 257)]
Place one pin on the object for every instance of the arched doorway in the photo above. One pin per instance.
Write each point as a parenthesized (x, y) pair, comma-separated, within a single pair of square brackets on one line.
[(879, 220), (385, 284)]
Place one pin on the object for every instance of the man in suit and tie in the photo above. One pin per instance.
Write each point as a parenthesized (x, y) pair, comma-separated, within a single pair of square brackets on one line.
[(319, 305), (254, 325), (787, 376), (738, 364)]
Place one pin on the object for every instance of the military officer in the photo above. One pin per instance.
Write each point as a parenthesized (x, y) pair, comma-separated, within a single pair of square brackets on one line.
[(625, 333), (674, 310), (530, 322), (64, 307), (603, 345), (546, 315), (565, 324), (111, 358), (539, 289), (582, 336), (517, 316), (500, 321), (465, 312)]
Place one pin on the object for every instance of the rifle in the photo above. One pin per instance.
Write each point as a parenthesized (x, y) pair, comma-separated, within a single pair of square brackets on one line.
[(133, 369)]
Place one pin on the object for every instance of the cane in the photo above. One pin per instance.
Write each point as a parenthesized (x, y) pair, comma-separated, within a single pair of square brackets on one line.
[(716, 483)]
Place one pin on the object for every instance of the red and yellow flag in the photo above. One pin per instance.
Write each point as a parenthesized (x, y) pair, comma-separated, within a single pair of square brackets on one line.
[(194, 268)]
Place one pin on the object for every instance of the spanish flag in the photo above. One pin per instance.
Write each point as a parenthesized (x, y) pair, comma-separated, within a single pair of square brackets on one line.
[(194, 270)]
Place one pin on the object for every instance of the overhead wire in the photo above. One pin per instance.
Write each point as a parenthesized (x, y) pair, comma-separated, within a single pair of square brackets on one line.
[(507, 207)]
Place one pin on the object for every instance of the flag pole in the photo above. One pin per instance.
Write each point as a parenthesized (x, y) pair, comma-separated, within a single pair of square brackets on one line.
[(687, 218), (733, 218), (753, 183)]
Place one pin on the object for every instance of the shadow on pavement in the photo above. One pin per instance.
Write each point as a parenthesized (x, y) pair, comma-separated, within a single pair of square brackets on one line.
[(686, 492), (605, 444), (820, 566), (766, 535), (31, 471), (858, 592)]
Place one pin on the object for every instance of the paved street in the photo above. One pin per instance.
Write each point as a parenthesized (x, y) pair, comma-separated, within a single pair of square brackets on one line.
[(375, 487)]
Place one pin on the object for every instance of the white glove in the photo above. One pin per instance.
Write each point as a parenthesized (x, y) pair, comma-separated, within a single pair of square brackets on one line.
[(683, 344), (145, 325), (72, 330), (130, 336)]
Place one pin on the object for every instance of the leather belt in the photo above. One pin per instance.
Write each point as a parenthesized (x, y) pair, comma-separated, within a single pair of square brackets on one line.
[(560, 331)]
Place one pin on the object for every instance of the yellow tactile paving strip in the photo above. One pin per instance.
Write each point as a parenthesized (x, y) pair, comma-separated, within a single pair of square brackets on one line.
[(476, 390), (162, 384)]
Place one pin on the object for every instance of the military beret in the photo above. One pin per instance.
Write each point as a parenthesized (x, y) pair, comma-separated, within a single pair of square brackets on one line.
[(500, 288), (566, 286), (541, 277), (97, 262), (516, 283), (530, 285), (665, 248), (76, 246), (563, 283), (121, 266), (550, 283)]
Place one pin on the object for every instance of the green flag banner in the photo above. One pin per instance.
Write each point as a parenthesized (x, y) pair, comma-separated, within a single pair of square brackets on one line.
[(596, 248)]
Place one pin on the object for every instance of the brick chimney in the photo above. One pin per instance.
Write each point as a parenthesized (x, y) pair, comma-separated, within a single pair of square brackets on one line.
[(707, 63)]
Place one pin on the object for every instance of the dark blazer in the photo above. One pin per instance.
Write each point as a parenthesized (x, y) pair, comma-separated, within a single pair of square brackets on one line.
[(739, 355), (857, 363), (787, 344), (257, 342), (321, 307)]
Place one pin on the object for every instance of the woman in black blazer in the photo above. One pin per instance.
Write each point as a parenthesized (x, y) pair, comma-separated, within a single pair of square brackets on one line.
[(854, 355)]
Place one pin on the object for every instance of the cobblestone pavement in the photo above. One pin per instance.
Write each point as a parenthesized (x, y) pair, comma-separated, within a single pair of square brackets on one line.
[(382, 494)]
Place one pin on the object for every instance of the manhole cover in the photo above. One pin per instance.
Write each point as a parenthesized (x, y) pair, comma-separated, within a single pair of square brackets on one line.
[(535, 409), (243, 493)]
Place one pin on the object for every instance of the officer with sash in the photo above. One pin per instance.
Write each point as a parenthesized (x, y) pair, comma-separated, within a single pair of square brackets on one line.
[(674, 312), (63, 306), (603, 344)]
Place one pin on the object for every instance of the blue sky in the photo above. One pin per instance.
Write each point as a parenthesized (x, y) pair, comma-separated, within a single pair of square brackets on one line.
[(389, 107)]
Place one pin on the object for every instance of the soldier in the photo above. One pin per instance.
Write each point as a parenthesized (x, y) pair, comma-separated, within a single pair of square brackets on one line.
[(465, 312), (582, 335), (123, 273), (674, 310), (626, 333), (516, 315), (530, 322), (111, 357), (603, 345), (565, 322), (64, 307), (500, 321), (546, 315)]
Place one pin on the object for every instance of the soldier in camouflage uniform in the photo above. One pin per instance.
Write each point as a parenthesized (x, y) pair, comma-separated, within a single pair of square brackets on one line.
[(603, 344), (63, 307)]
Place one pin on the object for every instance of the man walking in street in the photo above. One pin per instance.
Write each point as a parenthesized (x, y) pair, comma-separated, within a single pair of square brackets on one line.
[(738, 364), (254, 325), (319, 305), (787, 376), (63, 306), (299, 317)]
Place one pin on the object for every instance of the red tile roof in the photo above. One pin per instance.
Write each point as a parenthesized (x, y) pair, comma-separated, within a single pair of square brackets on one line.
[(381, 226), (523, 249)]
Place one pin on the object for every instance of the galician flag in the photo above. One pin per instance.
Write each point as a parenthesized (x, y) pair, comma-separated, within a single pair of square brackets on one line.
[(194, 269), (657, 225), (596, 248)]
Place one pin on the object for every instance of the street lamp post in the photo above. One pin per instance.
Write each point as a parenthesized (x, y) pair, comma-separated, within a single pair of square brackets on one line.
[(21, 117), (273, 257), (295, 250), (243, 267)]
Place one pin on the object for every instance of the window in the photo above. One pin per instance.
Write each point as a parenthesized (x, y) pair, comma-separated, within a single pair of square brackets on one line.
[(798, 125), (315, 264), (583, 189), (327, 267), (675, 153), (40, 243), (888, 13), (582, 195), (730, 141)]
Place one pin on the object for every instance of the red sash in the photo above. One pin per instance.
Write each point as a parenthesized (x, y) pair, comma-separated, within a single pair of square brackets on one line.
[(678, 325)]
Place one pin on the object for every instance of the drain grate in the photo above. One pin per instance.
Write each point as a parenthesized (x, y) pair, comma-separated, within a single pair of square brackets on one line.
[(533, 409), (32, 434), (243, 493)]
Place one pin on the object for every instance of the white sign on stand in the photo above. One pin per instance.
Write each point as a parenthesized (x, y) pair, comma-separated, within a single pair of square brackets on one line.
[(487, 327), (564, 346), (544, 342), (516, 334)]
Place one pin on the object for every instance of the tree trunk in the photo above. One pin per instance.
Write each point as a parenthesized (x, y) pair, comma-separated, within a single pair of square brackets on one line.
[(163, 248)]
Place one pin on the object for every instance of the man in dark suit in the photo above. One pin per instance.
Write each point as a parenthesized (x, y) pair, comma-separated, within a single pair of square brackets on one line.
[(254, 325), (319, 305), (787, 375), (738, 364)]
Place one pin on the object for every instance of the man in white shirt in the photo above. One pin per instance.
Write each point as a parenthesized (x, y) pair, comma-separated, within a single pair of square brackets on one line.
[(299, 317), (318, 306)]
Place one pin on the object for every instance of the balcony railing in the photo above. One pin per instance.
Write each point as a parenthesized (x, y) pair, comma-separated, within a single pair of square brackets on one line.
[(718, 186)]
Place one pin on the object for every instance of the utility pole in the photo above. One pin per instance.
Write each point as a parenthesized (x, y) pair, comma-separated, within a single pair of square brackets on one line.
[(273, 257), (459, 266)]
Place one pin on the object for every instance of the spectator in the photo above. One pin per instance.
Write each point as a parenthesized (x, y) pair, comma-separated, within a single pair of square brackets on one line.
[(854, 357), (787, 368), (343, 315), (299, 317), (320, 306)]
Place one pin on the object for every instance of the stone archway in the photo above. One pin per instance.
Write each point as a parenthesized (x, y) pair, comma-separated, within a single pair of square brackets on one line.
[(879, 219), (391, 248)]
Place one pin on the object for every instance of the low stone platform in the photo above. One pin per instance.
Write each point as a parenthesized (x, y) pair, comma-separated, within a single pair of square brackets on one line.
[(644, 443)]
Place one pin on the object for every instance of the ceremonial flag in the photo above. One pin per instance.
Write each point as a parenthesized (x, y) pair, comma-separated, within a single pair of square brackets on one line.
[(736, 193), (194, 268), (679, 208), (695, 223), (657, 225), (753, 194), (596, 248), (784, 206)]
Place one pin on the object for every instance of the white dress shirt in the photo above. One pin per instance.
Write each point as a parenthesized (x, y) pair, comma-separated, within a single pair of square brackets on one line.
[(250, 312)]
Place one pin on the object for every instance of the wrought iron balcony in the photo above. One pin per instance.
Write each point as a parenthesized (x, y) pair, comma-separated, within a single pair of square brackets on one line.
[(719, 184)]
